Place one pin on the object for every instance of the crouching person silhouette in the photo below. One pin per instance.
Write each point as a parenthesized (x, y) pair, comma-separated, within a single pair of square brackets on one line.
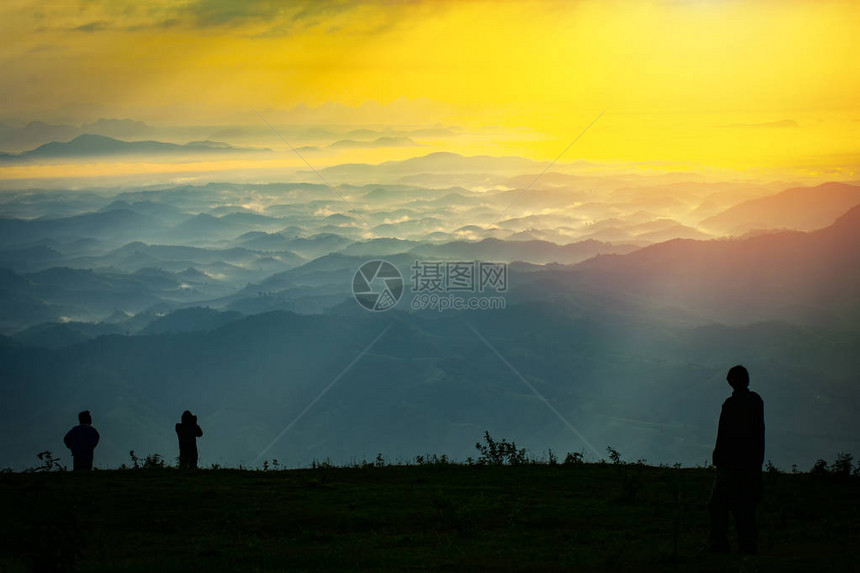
[(738, 457), (188, 432), (82, 440)]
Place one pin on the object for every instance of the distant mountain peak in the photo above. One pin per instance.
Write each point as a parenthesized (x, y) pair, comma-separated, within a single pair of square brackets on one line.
[(88, 145), (848, 220)]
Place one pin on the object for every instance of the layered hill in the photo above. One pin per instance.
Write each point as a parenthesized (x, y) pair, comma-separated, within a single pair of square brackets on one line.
[(799, 208)]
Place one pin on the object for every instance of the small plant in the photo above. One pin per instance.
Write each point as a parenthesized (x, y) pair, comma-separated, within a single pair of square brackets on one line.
[(630, 473), (380, 461), (274, 465), (154, 461), (843, 465), (499, 452), (770, 468), (820, 468), (432, 460), (151, 461), (573, 458), (551, 458), (49, 463)]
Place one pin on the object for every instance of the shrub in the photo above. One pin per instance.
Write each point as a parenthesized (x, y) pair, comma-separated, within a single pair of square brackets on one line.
[(843, 465), (49, 463), (630, 473), (820, 468), (499, 452), (149, 462)]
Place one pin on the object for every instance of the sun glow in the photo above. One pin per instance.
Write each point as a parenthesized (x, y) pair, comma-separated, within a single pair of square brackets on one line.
[(736, 85)]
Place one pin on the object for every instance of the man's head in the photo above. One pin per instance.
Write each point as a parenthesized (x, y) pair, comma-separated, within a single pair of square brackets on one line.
[(85, 418), (738, 377)]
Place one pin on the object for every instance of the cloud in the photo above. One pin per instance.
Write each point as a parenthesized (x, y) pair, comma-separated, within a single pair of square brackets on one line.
[(283, 17), (212, 13), (96, 26), (316, 9), (265, 18), (766, 125)]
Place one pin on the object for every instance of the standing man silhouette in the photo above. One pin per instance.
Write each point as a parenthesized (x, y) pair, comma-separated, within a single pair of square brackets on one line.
[(82, 440), (738, 457), (188, 432)]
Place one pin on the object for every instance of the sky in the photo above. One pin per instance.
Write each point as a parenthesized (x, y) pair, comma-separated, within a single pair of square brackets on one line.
[(762, 86)]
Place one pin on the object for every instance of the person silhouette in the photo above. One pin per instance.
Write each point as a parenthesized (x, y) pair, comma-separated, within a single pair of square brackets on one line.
[(738, 457), (188, 432), (82, 440)]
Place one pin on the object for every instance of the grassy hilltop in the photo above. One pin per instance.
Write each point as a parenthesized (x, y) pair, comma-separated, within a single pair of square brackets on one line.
[(425, 517)]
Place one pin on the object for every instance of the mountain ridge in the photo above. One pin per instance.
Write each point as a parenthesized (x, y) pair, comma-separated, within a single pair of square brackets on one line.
[(90, 145)]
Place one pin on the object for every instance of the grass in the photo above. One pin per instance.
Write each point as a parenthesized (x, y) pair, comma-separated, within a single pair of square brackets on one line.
[(432, 517)]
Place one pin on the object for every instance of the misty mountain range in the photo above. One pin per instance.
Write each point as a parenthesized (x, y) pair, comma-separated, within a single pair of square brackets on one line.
[(628, 298), (35, 133)]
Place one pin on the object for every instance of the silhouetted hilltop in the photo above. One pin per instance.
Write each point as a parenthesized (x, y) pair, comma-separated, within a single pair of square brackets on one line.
[(784, 275), (432, 516), (620, 375), (53, 335), (88, 145), (190, 320), (534, 251), (433, 163), (116, 223), (800, 208)]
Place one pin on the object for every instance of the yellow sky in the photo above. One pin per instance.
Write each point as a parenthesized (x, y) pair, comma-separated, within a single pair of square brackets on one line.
[(762, 84)]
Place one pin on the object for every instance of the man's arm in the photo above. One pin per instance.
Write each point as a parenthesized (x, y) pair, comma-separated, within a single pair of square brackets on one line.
[(717, 458), (760, 430)]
